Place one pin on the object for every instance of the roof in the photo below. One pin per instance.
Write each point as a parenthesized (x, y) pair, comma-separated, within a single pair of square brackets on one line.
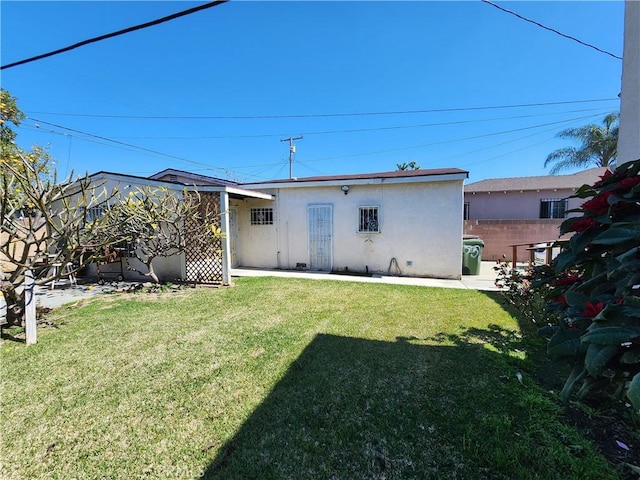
[(544, 182), (235, 190), (195, 178), (369, 176)]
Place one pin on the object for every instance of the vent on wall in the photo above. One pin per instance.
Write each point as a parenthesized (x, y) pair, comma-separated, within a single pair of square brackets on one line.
[(173, 178)]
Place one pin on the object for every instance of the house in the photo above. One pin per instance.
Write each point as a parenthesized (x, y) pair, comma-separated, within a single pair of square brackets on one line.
[(629, 138), (402, 222), (506, 211), (192, 265)]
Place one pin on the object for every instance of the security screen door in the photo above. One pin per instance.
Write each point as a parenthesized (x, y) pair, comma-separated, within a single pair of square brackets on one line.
[(320, 231)]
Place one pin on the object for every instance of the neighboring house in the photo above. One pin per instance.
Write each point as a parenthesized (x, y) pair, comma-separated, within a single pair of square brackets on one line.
[(402, 222), (506, 211)]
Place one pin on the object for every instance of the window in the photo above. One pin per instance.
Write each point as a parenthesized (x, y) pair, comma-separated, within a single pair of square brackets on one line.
[(262, 216), (95, 212), (368, 220), (465, 211), (553, 208)]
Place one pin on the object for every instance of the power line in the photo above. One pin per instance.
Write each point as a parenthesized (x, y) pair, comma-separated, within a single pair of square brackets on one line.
[(475, 137), (322, 115), (358, 130), (115, 34), (511, 12), (209, 167), (121, 143)]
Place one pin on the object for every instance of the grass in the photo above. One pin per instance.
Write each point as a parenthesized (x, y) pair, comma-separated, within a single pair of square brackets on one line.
[(285, 379)]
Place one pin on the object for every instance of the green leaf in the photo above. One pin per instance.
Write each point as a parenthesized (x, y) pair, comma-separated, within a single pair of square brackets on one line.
[(576, 299), (616, 235), (633, 393), (579, 242), (564, 343), (610, 335), (565, 260), (632, 301), (585, 191), (597, 357), (631, 357), (578, 373)]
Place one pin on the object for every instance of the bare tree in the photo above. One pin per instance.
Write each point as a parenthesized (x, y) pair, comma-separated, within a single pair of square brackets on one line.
[(43, 226), (156, 222)]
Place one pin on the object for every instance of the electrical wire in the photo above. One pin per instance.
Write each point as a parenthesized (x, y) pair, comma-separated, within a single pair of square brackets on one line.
[(322, 115), (475, 137), (115, 34), (511, 12), (122, 143), (127, 146), (357, 130)]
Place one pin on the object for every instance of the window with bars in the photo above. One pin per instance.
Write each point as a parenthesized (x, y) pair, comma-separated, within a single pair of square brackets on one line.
[(262, 216), (553, 208), (369, 221), (95, 212)]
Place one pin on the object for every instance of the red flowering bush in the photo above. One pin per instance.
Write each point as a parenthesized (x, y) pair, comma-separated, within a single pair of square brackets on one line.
[(596, 289)]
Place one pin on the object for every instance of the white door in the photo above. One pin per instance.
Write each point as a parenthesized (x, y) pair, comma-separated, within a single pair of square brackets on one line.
[(320, 232), (233, 236)]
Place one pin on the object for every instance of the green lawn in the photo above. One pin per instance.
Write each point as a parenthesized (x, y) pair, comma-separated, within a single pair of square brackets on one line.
[(285, 379)]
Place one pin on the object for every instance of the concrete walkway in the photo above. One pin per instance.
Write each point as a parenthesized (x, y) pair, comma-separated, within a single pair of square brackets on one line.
[(484, 281)]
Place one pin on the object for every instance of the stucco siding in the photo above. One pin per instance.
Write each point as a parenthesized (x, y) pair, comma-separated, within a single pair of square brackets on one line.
[(169, 268), (514, 205), (257, 244), (629, 138), (420, 227)]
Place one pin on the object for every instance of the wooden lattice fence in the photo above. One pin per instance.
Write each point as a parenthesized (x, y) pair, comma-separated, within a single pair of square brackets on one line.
[(204, 261)]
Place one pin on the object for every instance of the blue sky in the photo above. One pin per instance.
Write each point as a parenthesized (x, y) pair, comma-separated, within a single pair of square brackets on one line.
[(296, 68)]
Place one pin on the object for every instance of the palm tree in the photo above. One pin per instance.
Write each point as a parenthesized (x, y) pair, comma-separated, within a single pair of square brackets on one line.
[(599, 146)]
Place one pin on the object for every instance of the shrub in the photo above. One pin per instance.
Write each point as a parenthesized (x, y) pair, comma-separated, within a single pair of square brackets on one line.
[(526, 291), (595, 289)]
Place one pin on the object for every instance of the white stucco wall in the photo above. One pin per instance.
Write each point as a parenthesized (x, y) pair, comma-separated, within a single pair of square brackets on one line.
[(166, 268), (420, 226), (629, 138)]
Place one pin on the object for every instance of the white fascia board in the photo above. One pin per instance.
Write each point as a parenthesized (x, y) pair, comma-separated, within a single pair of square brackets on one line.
[(122, 178), (364, 181), (249, 193), (234, 191)]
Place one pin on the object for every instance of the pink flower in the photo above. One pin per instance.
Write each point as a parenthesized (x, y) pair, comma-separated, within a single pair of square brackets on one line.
[(598, 205), (603, 178), (592, 309), (561, 300), (569, 279), (582, 224), (628, 183)]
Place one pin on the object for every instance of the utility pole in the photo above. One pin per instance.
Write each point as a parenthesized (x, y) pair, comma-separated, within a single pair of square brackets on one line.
[(292, 150)]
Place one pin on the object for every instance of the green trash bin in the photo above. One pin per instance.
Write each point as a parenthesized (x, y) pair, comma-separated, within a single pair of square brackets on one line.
[(471, 256)]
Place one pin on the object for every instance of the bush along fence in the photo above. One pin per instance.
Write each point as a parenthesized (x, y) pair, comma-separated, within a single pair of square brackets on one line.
[(595, 290)]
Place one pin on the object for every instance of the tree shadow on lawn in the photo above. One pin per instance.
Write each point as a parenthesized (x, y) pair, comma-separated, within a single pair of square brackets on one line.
[(351, 408)]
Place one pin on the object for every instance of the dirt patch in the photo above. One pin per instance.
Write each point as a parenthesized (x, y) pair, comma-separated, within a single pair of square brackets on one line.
[(607, 424), (616, 439)]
